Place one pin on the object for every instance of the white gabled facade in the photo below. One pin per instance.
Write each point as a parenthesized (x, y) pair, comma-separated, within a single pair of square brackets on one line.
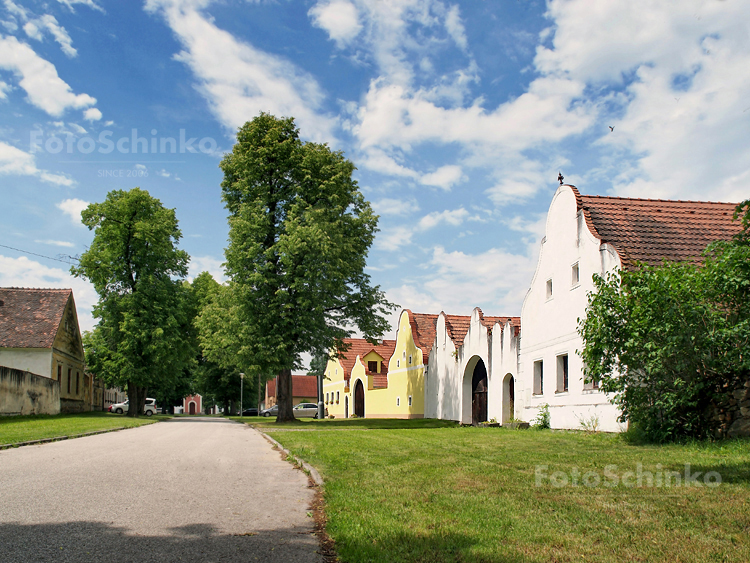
[(569, 257), (490, 343)]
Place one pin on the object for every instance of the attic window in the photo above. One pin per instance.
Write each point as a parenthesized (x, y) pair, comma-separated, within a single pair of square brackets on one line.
[(549, 289), (372, 366)]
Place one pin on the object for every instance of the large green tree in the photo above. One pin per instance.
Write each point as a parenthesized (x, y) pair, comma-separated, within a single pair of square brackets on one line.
[(299, 234), (670, 341), (144, 337)]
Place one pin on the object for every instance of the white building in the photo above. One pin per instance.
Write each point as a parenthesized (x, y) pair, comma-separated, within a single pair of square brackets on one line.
[(587, 235)]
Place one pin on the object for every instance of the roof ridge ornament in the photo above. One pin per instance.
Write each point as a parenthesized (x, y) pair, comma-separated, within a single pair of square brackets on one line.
[(560, 178)]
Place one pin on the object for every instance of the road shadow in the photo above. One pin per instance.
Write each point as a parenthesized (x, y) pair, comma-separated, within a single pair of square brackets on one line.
[(199, 543)]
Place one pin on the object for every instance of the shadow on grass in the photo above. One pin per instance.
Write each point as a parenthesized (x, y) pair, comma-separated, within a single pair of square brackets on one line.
[(200, 543), (356, 423), (437, 547), (735, 472)]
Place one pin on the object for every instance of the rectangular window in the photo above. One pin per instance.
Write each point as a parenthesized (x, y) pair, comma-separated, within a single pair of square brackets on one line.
[(409, 359), (575, 275), (78, 381), (398, 363), (409, 400), (549, 289), (59, 374), (70, 376), (562, 373), (591, 385), (372, 367), (337, 397), (398, 401), (538, 377), (326, 398)]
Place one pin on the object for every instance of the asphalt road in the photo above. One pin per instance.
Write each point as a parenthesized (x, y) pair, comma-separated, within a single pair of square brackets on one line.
[(189, 489)]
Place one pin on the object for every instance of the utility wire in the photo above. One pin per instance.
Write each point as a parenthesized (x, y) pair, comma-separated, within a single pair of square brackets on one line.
[(69, 258)]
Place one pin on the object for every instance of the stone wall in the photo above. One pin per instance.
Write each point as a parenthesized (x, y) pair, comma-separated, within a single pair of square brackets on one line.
[(22, 392), (733, 414)]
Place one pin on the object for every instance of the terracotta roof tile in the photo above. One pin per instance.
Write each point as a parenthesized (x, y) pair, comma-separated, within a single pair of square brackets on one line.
[(458, 325), (302, 386), (653, 230), (361, 347), (30, 318), (423, 331)]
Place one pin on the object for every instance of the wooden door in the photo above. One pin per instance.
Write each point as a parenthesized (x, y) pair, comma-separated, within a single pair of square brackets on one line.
[(479, 394), (359, 399), (192, 408)]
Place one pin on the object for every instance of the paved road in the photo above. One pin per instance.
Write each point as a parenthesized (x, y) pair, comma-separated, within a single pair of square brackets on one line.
[(190, 489)]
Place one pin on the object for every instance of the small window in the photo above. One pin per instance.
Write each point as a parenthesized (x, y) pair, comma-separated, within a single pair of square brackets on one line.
[(372, 367), (398, 401), (409, 400), (70, 376), (326, 398), (575, 275), (78, 381), (591, 384), (337, 397), (549, 289), (398, 363), (538, 377), (409, 359), (59, 374), (562, 373)]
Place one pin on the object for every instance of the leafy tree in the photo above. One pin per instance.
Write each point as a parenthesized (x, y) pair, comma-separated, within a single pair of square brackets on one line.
[(143, 338), (669, 341), (299, 234)]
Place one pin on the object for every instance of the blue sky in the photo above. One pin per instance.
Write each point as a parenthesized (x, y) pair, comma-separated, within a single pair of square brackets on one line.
[(458, 116)]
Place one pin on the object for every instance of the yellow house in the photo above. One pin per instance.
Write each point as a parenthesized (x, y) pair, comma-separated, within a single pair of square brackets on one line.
[(383, 381)]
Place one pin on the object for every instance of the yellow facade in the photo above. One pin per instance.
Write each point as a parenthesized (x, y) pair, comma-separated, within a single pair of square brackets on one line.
[(404, 395)]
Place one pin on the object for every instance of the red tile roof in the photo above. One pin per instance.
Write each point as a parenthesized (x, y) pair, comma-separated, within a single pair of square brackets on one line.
[(652, 230), (458, 325), (304, 386), (30, 318), (423, 328), (361, 347)]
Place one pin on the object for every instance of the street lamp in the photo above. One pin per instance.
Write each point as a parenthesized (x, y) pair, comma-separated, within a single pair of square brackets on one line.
[(242, 381)]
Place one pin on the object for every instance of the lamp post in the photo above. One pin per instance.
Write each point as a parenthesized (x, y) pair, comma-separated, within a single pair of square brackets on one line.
[(242, 381)]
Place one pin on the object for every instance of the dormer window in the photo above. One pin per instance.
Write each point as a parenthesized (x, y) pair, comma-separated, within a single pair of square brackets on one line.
[(372, 366)]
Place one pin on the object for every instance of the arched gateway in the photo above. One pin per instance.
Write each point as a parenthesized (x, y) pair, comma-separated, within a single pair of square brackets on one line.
[(359, 399)]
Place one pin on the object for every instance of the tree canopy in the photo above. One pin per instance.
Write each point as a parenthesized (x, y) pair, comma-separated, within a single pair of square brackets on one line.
[(299, 234), (144, 337), (671, 341)]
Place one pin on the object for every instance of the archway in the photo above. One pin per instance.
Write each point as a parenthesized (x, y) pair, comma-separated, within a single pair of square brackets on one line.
[(509, 398), (346, 407), (192, 407), (359, 399)]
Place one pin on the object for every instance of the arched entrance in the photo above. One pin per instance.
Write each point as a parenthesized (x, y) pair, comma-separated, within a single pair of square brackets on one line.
[(359, 399), (509, 398), (346, 407), (192, 407), (479, 393)]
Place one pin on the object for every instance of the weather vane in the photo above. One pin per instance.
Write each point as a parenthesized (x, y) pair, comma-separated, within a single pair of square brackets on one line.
[(560, 177)]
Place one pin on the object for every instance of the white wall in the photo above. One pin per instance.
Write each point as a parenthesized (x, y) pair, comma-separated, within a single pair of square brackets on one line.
[(549, 326), (34, 360)]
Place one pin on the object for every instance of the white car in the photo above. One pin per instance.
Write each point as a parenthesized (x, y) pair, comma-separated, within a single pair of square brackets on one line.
[(148, 409), (306, 410)]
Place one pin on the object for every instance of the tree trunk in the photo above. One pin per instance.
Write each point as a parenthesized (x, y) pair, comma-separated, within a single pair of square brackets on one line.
[(136, 399), (284, 396)]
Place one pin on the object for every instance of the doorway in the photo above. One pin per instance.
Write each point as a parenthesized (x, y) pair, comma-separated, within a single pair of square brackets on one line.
[(479, 394), (359, 399), (192, 408), (509, 398)]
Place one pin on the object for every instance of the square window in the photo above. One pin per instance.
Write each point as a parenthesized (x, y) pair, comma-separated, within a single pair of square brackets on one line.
[(549, 289), (575, 275), (538, 377), (372, 367), (562, 373)]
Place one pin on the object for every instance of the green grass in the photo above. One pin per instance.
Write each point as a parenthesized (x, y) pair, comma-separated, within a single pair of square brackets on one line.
[(15, 429), (457, 494), (268, 424)]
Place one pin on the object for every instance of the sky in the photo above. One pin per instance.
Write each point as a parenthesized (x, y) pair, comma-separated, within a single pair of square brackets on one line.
[(457, 115)]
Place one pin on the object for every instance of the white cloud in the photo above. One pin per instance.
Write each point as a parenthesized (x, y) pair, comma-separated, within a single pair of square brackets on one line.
[(89, 3), (398, 207), (393, 238), (455, 27), (56, 243), (444, 177), (208, 264), (14, 161), (238, 80), (35, 28), (431, 220), (22, 272), (39, 78), (339, 18), (92, 114), (72, 208)]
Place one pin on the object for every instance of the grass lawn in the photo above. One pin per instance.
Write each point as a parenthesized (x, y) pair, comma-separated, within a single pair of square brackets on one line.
[(405, 491), (14, 429)]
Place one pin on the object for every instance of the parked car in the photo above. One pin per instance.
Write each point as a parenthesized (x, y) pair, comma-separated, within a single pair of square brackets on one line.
[(250, 412), (273, 411), (148, 409), (306, 410)]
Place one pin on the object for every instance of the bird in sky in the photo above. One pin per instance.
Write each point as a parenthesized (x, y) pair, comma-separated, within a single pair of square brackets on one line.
[(611, 128)]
